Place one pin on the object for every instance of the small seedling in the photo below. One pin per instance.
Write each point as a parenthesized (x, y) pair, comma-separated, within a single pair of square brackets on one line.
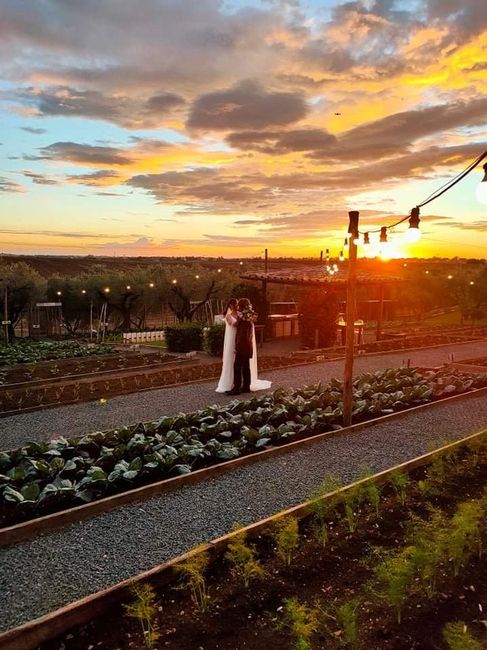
[(400, 483), (394, 576), (192, 573), (286, 537), (464, 537), (371, 490), (347, 617), (144, 610), (323, 509), (302, 622), (457, 637), (241, 557), (352, 501)]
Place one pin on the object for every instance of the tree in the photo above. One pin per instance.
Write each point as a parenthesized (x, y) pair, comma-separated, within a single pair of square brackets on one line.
[(23, 287)]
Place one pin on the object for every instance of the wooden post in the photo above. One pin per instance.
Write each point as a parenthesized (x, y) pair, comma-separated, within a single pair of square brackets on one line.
[(266, 262), (5, 312), (380, 315), (321, 257), (350, 327)]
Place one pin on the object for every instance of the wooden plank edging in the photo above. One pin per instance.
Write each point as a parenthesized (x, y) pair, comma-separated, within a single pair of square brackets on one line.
[(29, 635), (23, 531)]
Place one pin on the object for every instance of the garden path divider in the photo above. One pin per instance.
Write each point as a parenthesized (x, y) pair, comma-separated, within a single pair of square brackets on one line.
[(29, 529), (29, 635)]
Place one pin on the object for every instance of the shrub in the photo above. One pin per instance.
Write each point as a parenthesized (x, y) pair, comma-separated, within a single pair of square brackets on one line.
[(318, 312), (184, 337), (213, 341)]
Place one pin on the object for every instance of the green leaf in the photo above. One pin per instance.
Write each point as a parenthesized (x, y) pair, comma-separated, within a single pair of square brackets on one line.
[(31, 491), (11, 495)]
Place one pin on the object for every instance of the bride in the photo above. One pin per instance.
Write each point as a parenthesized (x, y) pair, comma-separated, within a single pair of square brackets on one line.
[(230, 316)]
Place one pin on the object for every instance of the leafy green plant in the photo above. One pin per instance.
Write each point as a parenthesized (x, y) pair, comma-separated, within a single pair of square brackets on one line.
[(286, 537), (241, 558), (301, 621), (457, 637), (144, 609), (192, 572), (400, 483)]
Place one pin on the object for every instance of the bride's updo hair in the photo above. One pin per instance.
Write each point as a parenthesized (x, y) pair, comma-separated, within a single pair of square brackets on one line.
[(244, 303), (232, 304)]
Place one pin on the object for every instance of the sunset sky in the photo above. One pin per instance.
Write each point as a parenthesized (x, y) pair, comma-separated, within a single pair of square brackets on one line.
[(199, 127)]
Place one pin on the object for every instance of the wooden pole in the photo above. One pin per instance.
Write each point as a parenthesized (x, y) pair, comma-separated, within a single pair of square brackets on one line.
[(266, 261), (350, 329), (5, 312), (380, 315), (321, 257)]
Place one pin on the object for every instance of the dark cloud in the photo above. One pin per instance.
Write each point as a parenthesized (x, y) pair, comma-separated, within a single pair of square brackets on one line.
[(163, 102), (247, 105), (93, 178), (271, 142), (34, 131), (386, 137), (85, 153)]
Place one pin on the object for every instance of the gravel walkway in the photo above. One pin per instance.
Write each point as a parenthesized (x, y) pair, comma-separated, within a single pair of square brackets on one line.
[(77, 419), (50, 571)]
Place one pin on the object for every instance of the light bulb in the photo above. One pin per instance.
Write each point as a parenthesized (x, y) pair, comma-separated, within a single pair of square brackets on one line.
[(341, 257), (356, 241), (412, 235)]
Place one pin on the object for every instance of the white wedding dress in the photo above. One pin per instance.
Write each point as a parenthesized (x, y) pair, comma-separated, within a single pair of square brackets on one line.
[(226, 377)]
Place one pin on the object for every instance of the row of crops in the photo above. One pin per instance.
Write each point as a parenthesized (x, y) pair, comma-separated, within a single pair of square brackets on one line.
[(34, 351), (49, 476)]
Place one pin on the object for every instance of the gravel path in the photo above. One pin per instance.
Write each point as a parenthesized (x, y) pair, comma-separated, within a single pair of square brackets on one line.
[(77, 419), (50, 571)]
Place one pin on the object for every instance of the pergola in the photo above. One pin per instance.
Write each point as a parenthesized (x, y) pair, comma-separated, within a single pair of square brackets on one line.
[(317, 276)]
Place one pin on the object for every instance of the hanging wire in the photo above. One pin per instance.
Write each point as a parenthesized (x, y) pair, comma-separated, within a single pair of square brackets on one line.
[(438, 192)]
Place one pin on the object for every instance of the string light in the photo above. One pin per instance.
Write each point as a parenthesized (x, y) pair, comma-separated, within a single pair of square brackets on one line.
[(83, 291), (345, 242), (366, 239), (197, 277), (341, 257), (174, 281), (151, 285), (106, 289), (128, 287), (219, 270), (383, 235), (472, 282), (450, 277), (413, 233), (59, 293)]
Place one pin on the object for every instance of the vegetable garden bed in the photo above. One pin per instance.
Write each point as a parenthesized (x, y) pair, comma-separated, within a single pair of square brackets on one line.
[(154, 373), (390, 562), (42, 478), (34, 351)]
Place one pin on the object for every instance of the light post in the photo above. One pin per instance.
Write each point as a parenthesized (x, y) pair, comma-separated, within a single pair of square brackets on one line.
[(413, 235)]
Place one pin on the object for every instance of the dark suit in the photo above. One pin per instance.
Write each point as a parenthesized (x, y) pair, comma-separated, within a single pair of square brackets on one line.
[(243, 354)]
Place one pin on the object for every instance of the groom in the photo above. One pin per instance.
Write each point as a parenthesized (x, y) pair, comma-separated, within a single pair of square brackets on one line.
[(243, 348)]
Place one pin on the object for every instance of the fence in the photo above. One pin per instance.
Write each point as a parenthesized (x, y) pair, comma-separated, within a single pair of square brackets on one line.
[(143, 337)]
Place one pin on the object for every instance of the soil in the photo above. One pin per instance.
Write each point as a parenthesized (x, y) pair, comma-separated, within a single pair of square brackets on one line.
[(239, 619)]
